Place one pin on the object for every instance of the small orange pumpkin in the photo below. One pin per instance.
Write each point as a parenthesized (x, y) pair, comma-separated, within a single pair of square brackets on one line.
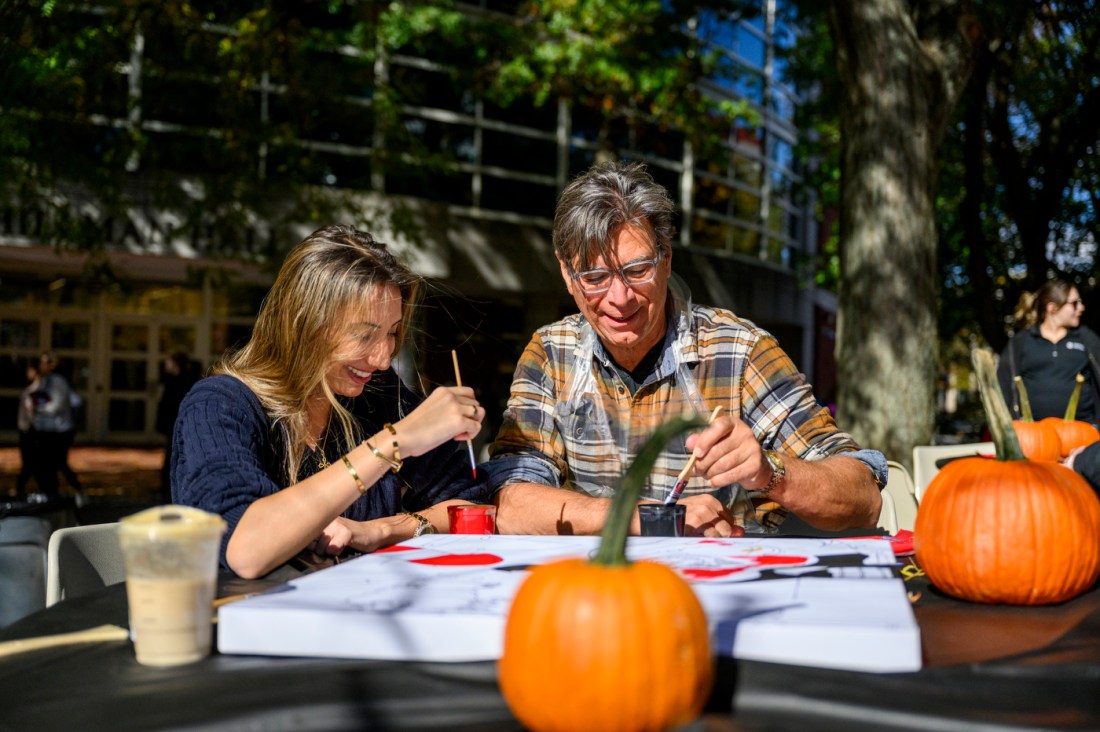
[(1072, 432), (1009, 530), (606, 644), (1038, 440)]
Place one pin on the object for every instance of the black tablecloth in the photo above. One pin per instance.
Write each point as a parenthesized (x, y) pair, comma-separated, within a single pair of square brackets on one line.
[(101, 685), (985, 667)]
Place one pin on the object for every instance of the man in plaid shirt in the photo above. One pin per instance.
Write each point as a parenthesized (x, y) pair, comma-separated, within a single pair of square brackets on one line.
[(589, 389)]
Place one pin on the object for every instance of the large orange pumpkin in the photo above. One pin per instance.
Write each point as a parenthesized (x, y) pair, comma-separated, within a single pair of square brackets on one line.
[(1009, 530), (605, 644)]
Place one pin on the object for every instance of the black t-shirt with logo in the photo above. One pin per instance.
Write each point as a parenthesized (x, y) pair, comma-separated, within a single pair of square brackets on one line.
[(1050, 371)]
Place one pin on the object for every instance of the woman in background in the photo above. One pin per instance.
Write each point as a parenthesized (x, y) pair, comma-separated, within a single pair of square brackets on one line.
[(305, 439), (1048, 351)]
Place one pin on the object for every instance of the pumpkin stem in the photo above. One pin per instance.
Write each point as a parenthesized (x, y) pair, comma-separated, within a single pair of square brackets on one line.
[(1025, 403), (612, 549), (996, 411), (1071, 408)]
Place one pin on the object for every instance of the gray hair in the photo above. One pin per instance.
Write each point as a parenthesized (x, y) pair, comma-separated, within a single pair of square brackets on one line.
[(600, 202)]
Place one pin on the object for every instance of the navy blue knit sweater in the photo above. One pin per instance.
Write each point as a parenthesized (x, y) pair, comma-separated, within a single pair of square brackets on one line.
[(226, 455)]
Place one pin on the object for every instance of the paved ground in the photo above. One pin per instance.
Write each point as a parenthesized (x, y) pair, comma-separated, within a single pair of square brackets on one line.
[(118, 480)]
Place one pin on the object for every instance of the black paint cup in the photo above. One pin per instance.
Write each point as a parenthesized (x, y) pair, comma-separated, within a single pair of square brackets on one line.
[(658, 519)]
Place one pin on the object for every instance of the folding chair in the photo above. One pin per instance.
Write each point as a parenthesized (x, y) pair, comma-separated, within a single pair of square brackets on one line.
[(23, 541), (82, 559), (899, 487), (926, 456)]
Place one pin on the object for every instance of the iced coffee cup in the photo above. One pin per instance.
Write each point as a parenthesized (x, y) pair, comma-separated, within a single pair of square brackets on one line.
[(171, 560)]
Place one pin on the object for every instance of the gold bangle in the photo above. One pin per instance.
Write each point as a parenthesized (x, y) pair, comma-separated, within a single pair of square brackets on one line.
[(392, 465), (397, 461), (423, 525), (355, 475)]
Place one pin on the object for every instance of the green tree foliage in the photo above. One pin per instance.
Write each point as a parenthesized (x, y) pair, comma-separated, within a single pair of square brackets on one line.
[(1023, 163), (229, 113), (634, 62), (224, 113), (1016, 184)]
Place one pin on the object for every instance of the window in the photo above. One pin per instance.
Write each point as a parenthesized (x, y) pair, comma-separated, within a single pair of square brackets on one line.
[(524, 114), (501, 149), (519, 196)]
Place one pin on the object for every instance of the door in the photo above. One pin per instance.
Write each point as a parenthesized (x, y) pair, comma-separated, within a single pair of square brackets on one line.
[(127, 386)]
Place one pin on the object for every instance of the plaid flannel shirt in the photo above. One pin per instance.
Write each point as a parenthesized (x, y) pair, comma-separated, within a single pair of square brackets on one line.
[(554, 434)]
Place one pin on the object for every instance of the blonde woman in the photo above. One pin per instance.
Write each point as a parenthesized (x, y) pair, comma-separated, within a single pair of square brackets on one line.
[(1049, 349), (306, 439)]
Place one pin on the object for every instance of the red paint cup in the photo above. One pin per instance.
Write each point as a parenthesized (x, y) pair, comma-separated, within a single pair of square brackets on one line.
[(472, 519)]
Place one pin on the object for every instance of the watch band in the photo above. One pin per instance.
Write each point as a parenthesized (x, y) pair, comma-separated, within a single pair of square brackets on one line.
[(423, 525), (779, 471)]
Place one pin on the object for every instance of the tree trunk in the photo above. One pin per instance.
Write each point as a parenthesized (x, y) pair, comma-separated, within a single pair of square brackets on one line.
[(901, 67), (970, 209)]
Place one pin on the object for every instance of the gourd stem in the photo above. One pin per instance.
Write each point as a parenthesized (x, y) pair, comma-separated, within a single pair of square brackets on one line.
[(996, 410), (1025, 403), (1071, 408), (612, 549)]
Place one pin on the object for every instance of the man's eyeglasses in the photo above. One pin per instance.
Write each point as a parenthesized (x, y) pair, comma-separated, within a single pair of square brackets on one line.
[(634, 274), (1074, 304)]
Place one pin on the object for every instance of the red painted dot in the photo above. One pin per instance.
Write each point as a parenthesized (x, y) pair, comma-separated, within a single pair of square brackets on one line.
[(459, 560)]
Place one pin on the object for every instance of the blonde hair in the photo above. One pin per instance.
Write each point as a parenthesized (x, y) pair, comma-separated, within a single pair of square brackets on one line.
[(295, 335), (1031, 309)]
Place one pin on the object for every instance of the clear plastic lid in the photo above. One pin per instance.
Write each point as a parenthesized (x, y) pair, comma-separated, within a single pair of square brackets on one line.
[(171, 522)]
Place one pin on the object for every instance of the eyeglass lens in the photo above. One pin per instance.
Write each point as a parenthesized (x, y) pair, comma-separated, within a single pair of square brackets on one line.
[(634, 274)]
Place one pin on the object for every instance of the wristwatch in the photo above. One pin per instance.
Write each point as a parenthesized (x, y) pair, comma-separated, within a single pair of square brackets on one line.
[(779, 471), (423, 525)]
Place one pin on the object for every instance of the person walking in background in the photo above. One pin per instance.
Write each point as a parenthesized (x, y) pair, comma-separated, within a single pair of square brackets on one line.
[(179, 374), (1048, 351), (68, 438), (53, 425), (28, 438)]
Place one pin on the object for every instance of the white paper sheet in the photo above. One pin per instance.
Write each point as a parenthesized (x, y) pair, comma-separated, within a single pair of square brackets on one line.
[(818, 602)]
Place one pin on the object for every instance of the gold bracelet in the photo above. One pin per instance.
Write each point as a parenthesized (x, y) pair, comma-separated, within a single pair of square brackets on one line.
[(393, 466), (423, 525), (355, 475), (397, 461)]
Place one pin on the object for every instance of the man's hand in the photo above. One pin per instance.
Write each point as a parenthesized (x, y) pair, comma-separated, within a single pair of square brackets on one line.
[(707, 516), (728, 452)]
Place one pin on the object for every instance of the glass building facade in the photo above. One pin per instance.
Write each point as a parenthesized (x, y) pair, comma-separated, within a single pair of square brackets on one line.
[(745, 220)]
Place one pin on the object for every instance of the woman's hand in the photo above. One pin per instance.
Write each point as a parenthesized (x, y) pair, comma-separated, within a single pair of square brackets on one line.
[(449, 413), (1068, 462), (334, 538), (365, 536)]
